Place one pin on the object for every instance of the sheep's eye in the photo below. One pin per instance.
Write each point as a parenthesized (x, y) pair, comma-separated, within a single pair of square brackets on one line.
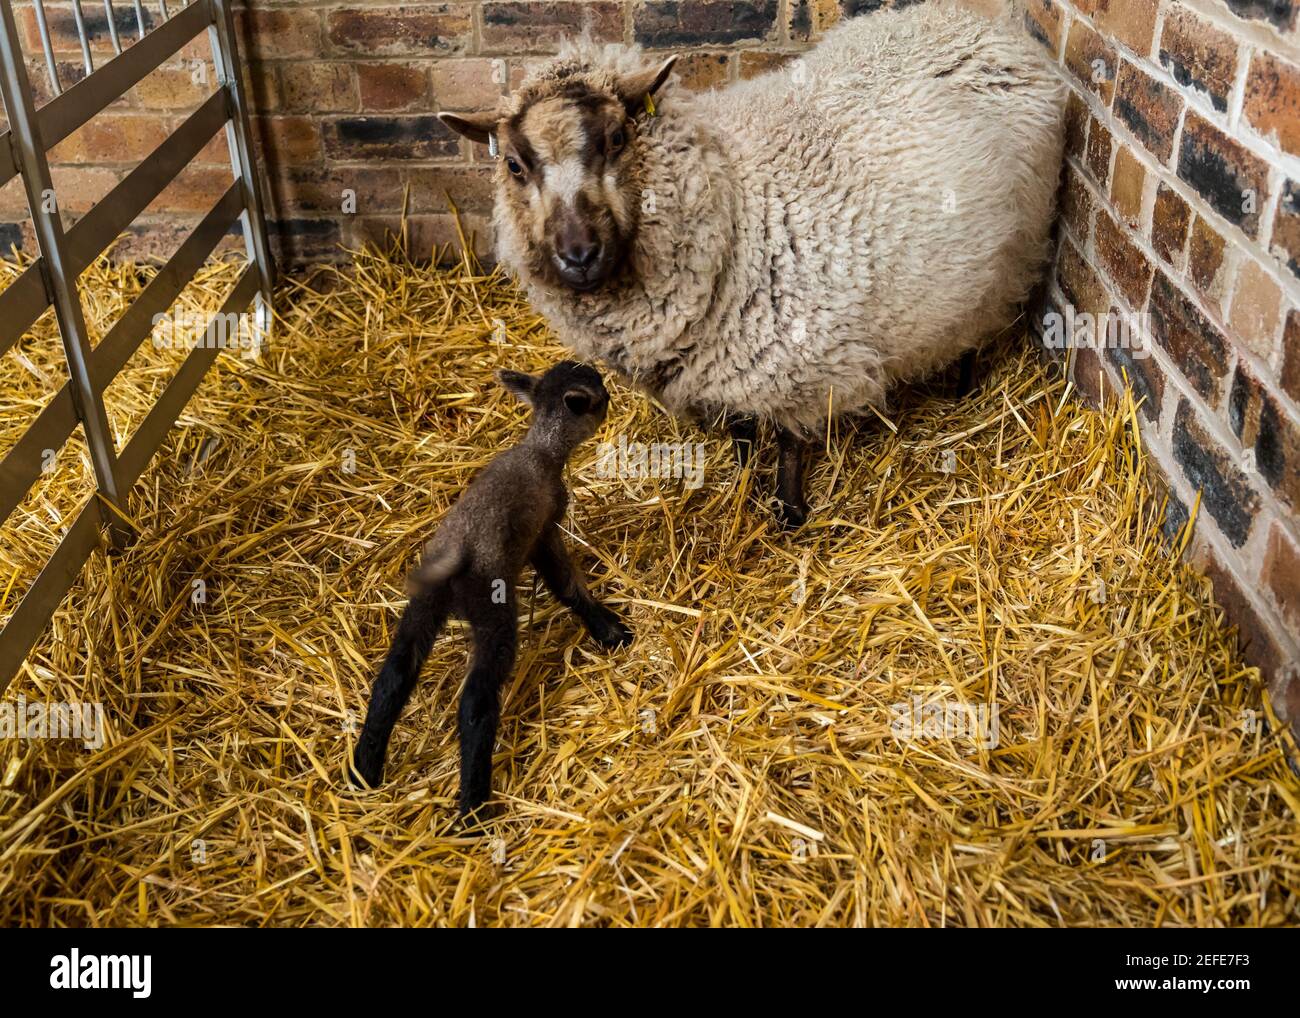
[(617, 140), (512, 164)]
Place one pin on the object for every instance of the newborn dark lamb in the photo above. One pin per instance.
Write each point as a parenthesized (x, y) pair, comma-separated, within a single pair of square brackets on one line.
[(509, 515)]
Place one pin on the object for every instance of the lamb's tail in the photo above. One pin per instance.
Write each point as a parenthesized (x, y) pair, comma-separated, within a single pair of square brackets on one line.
[(423, 619), (437, 567)]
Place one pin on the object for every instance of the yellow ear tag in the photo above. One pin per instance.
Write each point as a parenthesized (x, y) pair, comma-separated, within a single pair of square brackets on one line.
[(650, 105)]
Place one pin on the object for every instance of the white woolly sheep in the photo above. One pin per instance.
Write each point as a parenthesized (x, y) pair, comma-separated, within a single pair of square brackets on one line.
[(792, 246)]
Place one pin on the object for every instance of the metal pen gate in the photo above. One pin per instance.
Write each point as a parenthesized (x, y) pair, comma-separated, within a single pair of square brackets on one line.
[(51, 280)]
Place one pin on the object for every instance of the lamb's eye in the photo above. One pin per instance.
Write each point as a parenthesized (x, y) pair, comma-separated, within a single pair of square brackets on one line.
[(512, 164), (616, 141)]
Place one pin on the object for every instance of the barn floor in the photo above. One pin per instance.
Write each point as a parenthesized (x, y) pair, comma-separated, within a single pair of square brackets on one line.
[(750, 760)]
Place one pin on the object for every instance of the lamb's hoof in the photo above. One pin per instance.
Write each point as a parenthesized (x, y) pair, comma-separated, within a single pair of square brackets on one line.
[(475, 813), (611, 633), (366, 771), (792, 516)]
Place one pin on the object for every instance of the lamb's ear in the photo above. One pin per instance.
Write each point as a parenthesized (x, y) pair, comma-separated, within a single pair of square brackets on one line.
[(520, 384), (633, 88), (474, 126), (579, 401)]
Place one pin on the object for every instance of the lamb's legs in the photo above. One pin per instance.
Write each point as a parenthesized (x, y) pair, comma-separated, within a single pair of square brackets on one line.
[(495, 639), (789, 478), (424, 616), (744, 436), (552, 562)]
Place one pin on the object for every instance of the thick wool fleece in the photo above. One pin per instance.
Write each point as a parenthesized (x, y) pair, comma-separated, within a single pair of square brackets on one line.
[(811, 237)]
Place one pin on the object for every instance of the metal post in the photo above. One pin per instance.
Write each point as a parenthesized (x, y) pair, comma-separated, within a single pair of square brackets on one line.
[(225, 56), (61, 284)]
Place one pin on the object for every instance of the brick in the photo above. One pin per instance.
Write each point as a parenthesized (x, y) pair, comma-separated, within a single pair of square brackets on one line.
[(63, 27), (1207, 264), (1278, 13), (318, 87), (1291, 355), (1286, 226), (195, 189), (1148, 109), (78, 188), (426, 235), (174, 88), (436, 189), (1132, 22), (702, 71), (1198, 55), (278, 33), (1098, 152), (1260, 422), (1256, 309), (389, 137), (1123, 261), (316, 189), (671, 23), (1081, 285), (1170, 222), (1233, 180), (800, 18), (1281, 574), (1144, 376), (1272, 104), (1196, 347), (1128, 181), (1091, 59), (1254, 634), (1077, 205), (113, 138), (1043, 21), (288, 141), (465, 84), (1226, 492), (756, 62), (405, 30), (302, 239), (541, 25), (1076, 124)]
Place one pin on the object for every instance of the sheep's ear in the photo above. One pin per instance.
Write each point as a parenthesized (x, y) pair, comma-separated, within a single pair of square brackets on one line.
[(521, 385), (633, 88), (474, 126)]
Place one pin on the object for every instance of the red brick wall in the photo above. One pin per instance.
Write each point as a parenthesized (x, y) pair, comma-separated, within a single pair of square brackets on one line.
[(1181, 203)]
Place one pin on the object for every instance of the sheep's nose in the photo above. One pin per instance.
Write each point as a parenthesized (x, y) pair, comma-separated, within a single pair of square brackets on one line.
[(578, 253)]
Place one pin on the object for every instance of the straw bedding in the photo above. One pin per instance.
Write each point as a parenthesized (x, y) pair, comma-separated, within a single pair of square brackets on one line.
[(741, 764)]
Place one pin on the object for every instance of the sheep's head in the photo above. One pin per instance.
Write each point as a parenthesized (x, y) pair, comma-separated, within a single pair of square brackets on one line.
[(569, 170)]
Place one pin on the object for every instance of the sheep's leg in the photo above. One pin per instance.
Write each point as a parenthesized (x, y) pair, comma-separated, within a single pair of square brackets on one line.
[(966, 374), (789, 478), (744, 436), (495, 638), (552, 562), (423, 618)]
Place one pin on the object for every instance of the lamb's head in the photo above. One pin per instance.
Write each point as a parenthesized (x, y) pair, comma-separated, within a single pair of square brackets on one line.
[(569, 171)]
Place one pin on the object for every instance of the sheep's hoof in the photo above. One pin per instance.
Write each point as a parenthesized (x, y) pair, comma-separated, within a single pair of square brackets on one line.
[(475, 814), (792, 515)]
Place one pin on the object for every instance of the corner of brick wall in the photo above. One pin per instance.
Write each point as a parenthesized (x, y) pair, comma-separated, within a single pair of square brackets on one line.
[(1181, 207)]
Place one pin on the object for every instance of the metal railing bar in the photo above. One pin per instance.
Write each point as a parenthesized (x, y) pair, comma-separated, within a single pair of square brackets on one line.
[(43, 29), (60, 283), (21, 303), (149, 436), (162, 4), (48, 590), (74, 108), (103, 224), (225, 58), (20, 469), (112, 27), (80, 18), (139, 19)]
